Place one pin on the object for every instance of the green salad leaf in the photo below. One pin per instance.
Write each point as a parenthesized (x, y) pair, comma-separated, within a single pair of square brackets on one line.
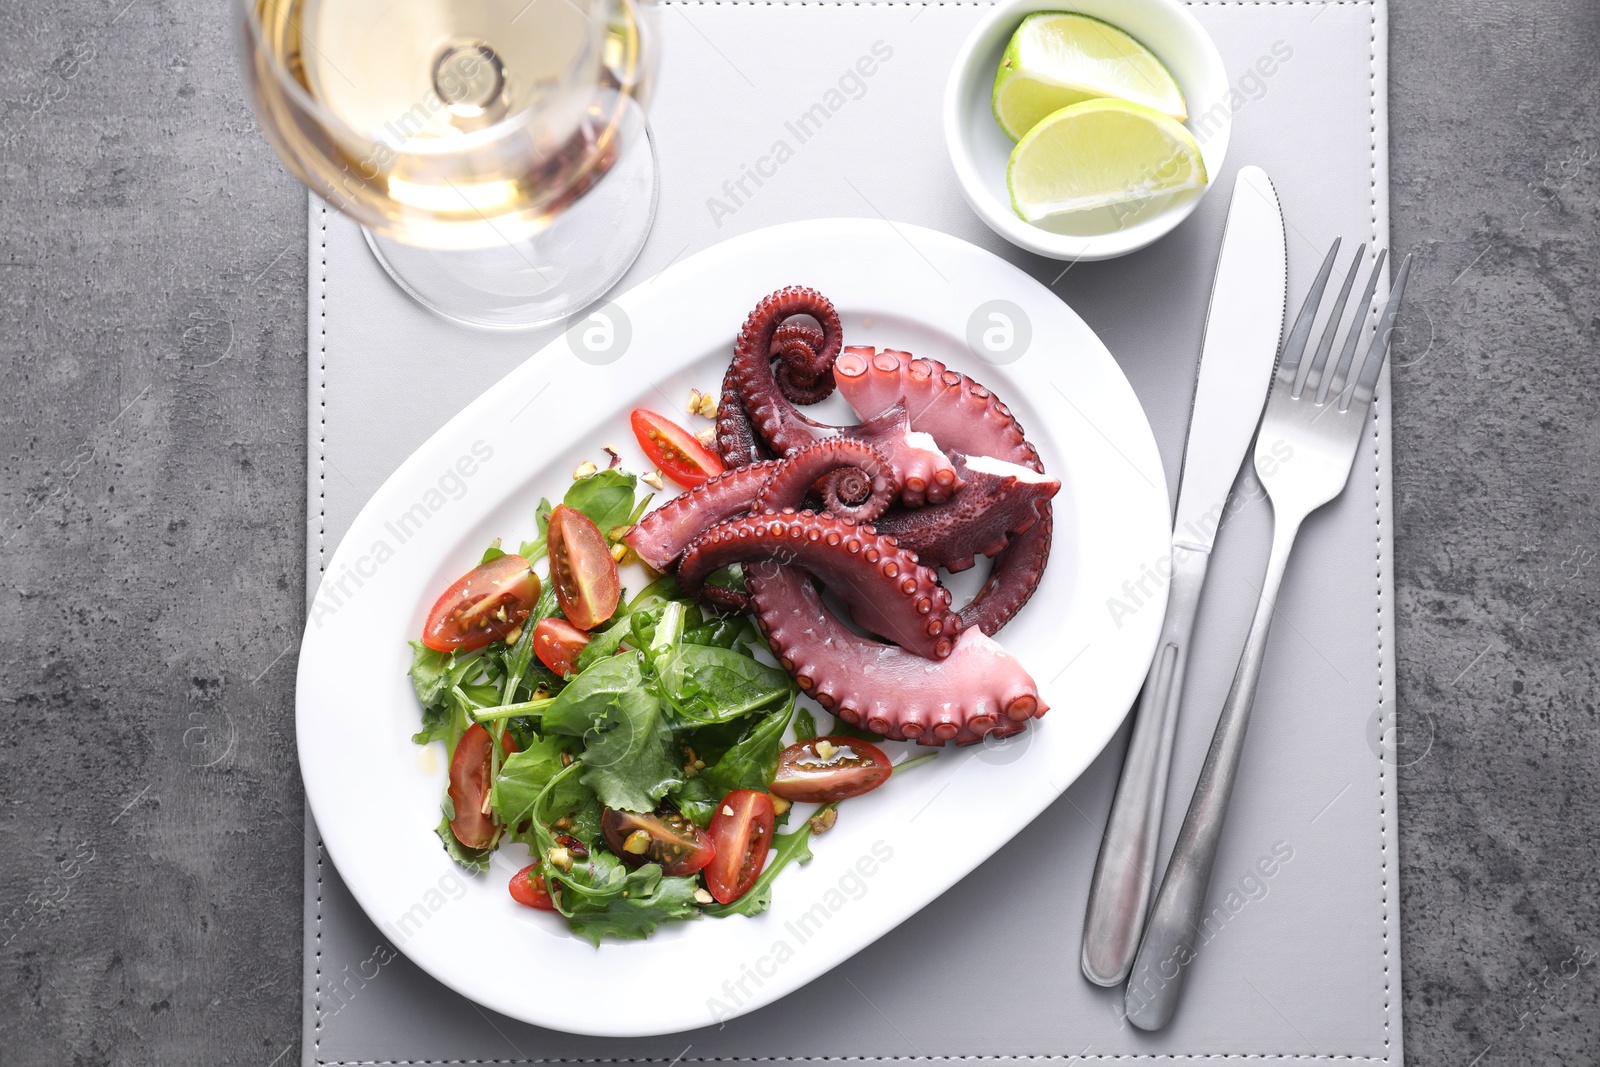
[(629, 762), (805, 726), (708, 683), (605, 496), (524, 776), (473, 859), (637, 903), (585, 703), (752, 762)]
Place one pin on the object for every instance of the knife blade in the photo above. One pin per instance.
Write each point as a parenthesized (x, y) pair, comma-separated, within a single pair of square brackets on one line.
[(1243, 328)]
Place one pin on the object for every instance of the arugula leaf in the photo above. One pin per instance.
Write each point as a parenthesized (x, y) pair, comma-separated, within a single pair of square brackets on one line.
[(473, 859), (438, 724), (630, 765), (524, 776), (605, 496), (787, 848), (805, 726), (753, 761), (430, 673), (493, 552), (659, 591), (706, 683), (642, 901)]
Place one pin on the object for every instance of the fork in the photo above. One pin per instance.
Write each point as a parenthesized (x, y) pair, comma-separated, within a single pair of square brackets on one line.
[(1304, 451)]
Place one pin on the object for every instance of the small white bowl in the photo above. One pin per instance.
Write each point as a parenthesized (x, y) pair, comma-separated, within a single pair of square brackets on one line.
[(980, 150)]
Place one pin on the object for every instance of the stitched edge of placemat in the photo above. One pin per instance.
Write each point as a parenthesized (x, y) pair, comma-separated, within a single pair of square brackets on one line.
[(1377, 463)]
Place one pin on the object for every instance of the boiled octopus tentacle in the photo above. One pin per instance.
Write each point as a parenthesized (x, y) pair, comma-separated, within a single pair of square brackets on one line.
[(661, 536), (804, 369), (888, 592), (977, 689), (751, 372), (964, 416), (1013, 578), (856, 480), (757, 406), (1001, 500)]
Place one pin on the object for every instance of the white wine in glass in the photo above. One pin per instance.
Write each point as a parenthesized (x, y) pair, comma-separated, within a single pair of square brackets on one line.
[(496, 151)]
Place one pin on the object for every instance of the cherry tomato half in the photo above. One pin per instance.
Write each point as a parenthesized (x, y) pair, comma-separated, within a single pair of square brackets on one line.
[(557, 643), (663, 837), (585, 575), (674, 449), (484, 605), (469, 786), (829, 768), (741, 830), (528, 887)]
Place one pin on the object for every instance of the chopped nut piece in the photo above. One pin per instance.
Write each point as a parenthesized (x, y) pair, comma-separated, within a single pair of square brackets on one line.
[(566, 759), (653, 480), (637, 843), (616, 457), (693, 406), (563, 823), (780, 805), (702, 897), (707, 436), (708, 406), (728, 811), (826, 749), (560, 858), (618, 551), (583, 470), (823, 820), (515, 632), (699, 764)]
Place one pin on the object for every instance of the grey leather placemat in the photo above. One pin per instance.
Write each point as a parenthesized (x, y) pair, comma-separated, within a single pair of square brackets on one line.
[(1299, 965)]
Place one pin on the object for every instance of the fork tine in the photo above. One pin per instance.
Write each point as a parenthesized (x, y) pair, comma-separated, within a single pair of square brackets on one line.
[(1321, 375), (1320, 371), (1341, 373), (1295, 347), (1368, 382)]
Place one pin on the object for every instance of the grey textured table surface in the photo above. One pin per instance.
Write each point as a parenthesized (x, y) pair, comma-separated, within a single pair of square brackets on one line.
[(152, 485)]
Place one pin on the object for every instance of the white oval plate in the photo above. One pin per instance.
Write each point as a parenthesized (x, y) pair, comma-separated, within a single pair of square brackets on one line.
[(376, 795)]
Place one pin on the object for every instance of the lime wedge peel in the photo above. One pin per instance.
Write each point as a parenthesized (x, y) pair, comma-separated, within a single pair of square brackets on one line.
[(1056, 58), (1100, 154)]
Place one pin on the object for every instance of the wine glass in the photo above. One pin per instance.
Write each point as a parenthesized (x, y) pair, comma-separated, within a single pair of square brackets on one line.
[(495, 152)]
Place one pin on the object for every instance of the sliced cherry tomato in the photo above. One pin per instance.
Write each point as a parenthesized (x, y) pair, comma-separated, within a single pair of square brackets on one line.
[(483, 605), (557, 643), (829, 768), (741, 830), (663, 837), (674, 449), (585, 575), (528, 887), (469, 786)]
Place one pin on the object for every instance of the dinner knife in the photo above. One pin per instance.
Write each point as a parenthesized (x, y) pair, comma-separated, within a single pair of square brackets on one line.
[(1243, 328)]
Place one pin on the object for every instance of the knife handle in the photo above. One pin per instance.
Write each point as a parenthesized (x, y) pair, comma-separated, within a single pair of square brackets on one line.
[(1119, 895)]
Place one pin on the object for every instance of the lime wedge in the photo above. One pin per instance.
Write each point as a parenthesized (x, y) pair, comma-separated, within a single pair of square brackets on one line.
[(1055, 59), (1101, 154)]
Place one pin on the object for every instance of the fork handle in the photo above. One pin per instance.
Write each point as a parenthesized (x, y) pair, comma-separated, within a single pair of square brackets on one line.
[(1124, 873), (1168, 948)]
